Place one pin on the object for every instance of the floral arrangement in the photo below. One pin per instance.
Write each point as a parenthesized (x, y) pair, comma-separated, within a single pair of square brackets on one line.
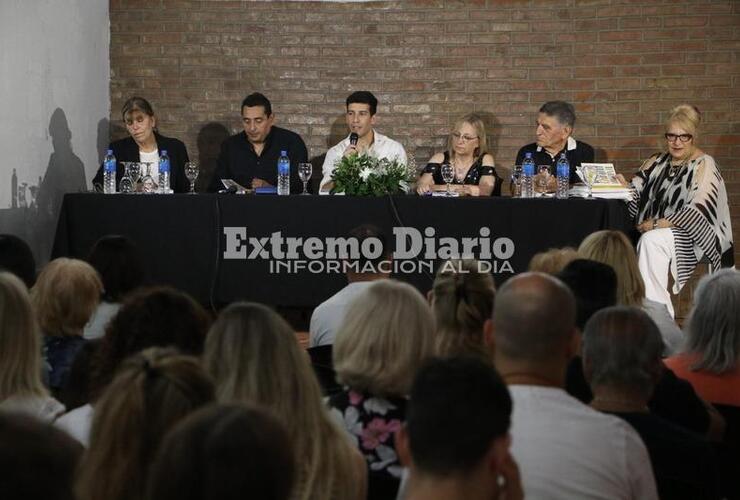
[(365, 175)]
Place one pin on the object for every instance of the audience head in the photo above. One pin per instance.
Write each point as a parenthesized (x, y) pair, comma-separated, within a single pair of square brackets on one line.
[(257, 117), (714, 324), (594, 286), (254, 357), (552, 261), (38, 461), (534, 321), (65, 295), (224, 452), (622, 349), (16, 257), (386, 334), (120, 265), (151, 392), (77, 390), (468, 136), (151, 317), (20, 341), (462, 302), (461, 393), (615, 249), (371, 237)]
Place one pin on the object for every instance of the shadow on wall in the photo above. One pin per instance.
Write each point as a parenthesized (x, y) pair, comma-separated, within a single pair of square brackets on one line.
[(35, 208), (210, 138)]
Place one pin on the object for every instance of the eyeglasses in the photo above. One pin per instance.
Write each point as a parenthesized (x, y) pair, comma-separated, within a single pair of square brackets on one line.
[(680, 137), (466, 138)]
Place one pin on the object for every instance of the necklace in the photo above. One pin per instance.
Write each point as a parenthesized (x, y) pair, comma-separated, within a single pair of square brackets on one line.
[(675, 168), (461, 172)]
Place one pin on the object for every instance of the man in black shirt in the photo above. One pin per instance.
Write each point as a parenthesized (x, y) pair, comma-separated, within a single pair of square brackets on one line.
[(555, 123), (250, 157)]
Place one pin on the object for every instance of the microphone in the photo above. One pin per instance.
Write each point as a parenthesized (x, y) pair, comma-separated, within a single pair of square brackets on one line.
[(353, 139)]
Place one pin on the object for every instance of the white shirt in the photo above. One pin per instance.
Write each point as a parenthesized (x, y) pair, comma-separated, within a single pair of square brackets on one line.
[(328, 316), (382, 147), (77, 424), (44, 408), (566, 449), (153, 159), (95, 328)]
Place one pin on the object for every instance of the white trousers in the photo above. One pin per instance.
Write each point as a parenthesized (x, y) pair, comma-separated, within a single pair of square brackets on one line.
[(656, 256)]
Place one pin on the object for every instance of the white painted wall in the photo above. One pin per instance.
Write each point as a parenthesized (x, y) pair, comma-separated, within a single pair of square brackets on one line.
[(54, 103)]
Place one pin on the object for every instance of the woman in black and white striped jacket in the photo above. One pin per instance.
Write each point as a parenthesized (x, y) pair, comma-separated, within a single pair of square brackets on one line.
[(680, 206)]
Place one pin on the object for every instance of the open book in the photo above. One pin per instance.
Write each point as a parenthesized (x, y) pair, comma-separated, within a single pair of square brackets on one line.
[(606, 176)]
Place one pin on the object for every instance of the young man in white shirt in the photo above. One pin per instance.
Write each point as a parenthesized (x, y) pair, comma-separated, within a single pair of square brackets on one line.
[(361, 117)]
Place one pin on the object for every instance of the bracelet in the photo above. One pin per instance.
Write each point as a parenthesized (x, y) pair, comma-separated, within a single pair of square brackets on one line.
[(655, 223)]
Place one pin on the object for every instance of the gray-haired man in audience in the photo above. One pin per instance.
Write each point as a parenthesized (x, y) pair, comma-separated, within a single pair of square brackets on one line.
[(564, 448)]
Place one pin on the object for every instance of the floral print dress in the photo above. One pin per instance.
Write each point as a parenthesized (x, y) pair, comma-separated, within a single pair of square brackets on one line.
[(372, 423)]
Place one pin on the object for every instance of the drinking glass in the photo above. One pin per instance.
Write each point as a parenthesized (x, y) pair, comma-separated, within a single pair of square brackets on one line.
[(191, 173), (589, 174), (448, 175), (543, 177), (515, 183), (148, 184), (304, 173)]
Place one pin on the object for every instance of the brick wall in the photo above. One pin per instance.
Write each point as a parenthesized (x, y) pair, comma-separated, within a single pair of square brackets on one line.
[(623, 63)]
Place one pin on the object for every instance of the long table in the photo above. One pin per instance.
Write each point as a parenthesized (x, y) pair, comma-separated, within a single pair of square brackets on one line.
[(218, 247)]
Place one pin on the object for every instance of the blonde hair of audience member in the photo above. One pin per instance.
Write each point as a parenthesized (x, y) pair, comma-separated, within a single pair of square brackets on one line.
[(553, 260), (65, 295), (614, 249), (474, 121), (387, 333), (462, 302), (254, 357), (152, 391), (20, 341)]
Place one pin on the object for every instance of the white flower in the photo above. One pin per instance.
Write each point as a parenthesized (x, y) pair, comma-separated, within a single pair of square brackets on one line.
[(378, 405), (365, 173), (403, 185)]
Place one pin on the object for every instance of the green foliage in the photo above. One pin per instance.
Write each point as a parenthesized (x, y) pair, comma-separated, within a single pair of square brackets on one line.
[(365, 175)]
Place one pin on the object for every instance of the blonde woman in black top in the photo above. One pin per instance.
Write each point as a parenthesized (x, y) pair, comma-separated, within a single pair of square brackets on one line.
[(474, 170)]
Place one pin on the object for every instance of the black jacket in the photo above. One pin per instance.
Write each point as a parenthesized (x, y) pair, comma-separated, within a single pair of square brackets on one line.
[(127, 150)]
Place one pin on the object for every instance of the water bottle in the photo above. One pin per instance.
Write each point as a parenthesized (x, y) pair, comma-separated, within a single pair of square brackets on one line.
[(164, 173), (563, 176), (283, 171), (528, 176), (109, 173)]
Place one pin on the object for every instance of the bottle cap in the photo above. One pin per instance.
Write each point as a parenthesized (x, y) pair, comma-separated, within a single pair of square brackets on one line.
[(164, 151), (528, 155), (283, 153), (110, 152)]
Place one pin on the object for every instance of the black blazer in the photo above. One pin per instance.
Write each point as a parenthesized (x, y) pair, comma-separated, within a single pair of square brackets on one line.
[(127, 150)]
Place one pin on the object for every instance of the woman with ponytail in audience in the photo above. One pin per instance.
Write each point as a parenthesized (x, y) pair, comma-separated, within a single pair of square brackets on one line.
[(21, 388), (151, 393), (254, 358), (462, 301)]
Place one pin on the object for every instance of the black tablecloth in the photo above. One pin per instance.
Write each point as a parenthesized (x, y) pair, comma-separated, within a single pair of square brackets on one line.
[(183, 236)]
